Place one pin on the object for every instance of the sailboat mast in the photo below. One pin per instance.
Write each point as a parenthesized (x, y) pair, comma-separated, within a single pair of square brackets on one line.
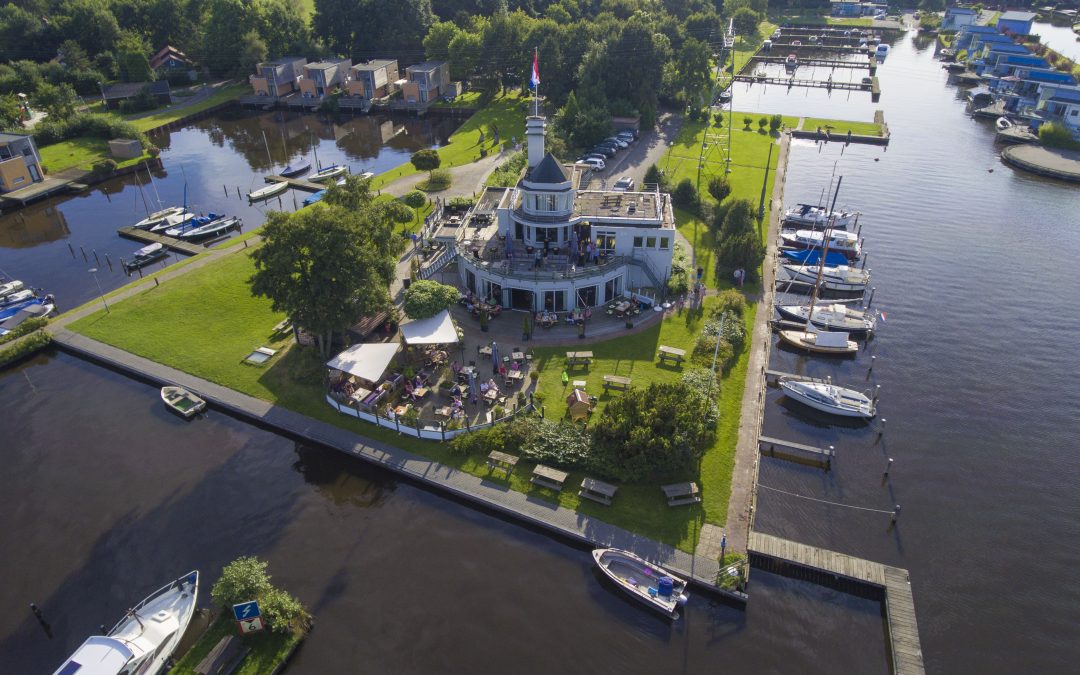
[(826, 236), (267, 144), (154, 185), (311, 138)]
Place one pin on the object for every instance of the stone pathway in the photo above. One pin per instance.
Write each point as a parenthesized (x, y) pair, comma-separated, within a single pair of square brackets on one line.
[(709, 542)]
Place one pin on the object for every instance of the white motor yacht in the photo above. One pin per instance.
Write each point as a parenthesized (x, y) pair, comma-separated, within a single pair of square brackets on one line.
[(841, 278), (829, 398)]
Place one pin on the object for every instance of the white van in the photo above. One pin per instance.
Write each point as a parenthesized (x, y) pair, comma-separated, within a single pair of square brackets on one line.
[(596, 163)]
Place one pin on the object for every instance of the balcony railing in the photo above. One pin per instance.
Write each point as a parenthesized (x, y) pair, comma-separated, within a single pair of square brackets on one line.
[(523, 268)]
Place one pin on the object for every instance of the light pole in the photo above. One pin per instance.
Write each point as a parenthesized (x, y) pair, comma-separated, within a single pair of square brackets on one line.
[(93, 271)]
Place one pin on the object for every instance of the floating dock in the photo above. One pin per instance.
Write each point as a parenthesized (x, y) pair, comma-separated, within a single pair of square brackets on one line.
[(298, 183), (797, 452), (892, 585), (171, 243), (817, 84)]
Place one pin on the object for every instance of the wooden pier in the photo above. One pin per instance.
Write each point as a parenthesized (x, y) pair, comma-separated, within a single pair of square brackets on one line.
[(796, 452), (298, 183), (817, 84), (825, 63), (171, 243), (892, 585)]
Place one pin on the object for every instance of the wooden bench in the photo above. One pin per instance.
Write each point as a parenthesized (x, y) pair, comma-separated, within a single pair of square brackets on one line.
[(616, 382), (501, 461), (680, 494), (597, 491), (224, 658), (545, 476), (578, 359), (677, 356)]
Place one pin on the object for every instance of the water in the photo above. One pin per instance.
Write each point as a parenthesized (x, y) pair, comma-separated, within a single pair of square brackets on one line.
[(1061, 39), (973, 264), (214, 158), (105, 495)]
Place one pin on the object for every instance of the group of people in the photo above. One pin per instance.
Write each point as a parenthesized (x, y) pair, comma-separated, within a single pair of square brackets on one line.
[(412, 386)]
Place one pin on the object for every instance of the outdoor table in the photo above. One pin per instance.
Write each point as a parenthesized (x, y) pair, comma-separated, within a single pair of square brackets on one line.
[(491, 394), (485, 351), (444, 412), (616, 382), (502, 461), (518, 356), (622, 307), (597, 491), (420, 392), (580, 384), (578, 358), (672, 354), (402, 409), (679, 494), (545, 476), (515, 375), (360, 394)]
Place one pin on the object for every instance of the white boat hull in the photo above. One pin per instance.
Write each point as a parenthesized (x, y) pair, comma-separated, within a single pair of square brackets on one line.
[(851, 403), (834, 279), (809, 341), (635, 576), (267, 192), (327, 174)]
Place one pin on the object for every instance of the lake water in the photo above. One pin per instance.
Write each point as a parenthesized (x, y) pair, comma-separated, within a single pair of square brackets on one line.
[(105, 496), (1061, 39), (213, 158)]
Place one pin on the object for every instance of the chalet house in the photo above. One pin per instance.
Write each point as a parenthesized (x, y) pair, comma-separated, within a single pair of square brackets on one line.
[(426, 82), (373, 79), (20, 163), (169, 58), (278, 77), (958, 17), (322, 78)]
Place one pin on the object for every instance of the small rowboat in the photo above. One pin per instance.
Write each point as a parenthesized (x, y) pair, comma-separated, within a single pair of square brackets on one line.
[(10, 287), (268, 191), (329, 173), (648, 583), (182, 401), (146, 255)]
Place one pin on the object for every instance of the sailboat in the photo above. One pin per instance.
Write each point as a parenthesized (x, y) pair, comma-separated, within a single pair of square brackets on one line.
[(838, 240), (842, 278), (329, 173), (272, 189), (293, 170), (836, 316)]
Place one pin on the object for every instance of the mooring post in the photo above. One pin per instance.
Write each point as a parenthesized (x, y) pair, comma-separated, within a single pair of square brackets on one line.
[(888, 467), (83, 251), (895, 513), (877, 392), (157, 282), (873, 360), (881, 429), (109, 262), (96, 258), (870, 302), (226, 189), (864, 258), (71, 249), (139, 268), (238, 192)]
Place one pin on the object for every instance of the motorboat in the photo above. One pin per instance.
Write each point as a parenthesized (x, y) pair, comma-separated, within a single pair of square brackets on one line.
[(791, 61), (818, 217), (836, 316), (839, 241), (811, 256), (796, 43), (10, 287), (146, 255), (820, 342), (158, 217), (829, 398), (1003, 123), (176, 220), (328, 174), (882, 51), (13, 309), (145, 639), (25, 314), (206, 228), (298, 170), (842, 278), (182, 401), (267, 192), (647, 583), (17, 297)]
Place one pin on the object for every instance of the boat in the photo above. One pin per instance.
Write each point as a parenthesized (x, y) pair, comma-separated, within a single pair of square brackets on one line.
[(329, 173), (158, 217), (17, 297), (796, 43), (836, 316), (182, 401), (268, 191), (10, 287), (842, 278), (1003, 123), (12, 310), (291, 171), (818, 217), (146, 255), (145, 639), (811, 256), (955, 67), (791, 61), (882, 51), (820, 342), (25, 314), (206, 227), (828, 397), (648, 583), (839, 241), (316, 197), (173, 221)]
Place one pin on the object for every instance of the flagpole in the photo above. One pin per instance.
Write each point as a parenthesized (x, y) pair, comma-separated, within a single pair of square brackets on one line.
[(536, 89)]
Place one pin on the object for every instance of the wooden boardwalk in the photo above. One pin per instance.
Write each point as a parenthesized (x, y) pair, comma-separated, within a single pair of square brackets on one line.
[(893, 584), (298, 183), (824, 63), (796, 451), (172, 243), (815, 84)]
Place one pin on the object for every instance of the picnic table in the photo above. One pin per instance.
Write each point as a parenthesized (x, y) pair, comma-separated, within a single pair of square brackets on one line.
[(580, 384), (578, 359), (545, 476), (672, 354), (616, 382), (623, 307), (679, 494), (444, 412), (485, 351), (359, 394), (597, 491), (420, 392), (515, 375), (501, 461), (518, 356)]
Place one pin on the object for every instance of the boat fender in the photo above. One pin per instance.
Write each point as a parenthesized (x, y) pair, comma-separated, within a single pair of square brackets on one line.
[(683, 599)]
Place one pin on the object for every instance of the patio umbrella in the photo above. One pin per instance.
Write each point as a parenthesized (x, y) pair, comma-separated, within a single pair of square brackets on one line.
[(472, 385), (494, 357)]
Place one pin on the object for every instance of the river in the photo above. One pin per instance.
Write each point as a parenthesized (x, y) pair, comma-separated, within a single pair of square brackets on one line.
[(105, 495), (1061, 39), (213, 158)]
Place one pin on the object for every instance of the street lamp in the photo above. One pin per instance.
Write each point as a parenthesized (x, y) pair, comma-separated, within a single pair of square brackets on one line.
[(93, 270)]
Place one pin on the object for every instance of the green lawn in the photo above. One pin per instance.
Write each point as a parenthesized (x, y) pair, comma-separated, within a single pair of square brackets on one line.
[(218, 97), (470, 99), (842, 126), (268, 649), (505, 112), (80, 153)]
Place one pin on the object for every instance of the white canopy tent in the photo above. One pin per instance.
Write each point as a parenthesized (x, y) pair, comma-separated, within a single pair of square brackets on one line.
[(368, 361), (437, 330)]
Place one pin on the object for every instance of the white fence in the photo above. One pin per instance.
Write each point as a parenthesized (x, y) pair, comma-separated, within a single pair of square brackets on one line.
[(423, 430)]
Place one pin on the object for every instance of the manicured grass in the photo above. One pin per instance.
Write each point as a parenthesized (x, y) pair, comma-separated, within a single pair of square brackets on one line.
[(218, 97), (842, 126), (80, 153), (470, 99), (505, 112), (268, 649)]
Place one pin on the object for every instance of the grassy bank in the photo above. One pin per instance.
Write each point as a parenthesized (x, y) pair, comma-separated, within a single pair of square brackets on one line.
[(80, 153), (268, 649), (842, 126), (222, 95)]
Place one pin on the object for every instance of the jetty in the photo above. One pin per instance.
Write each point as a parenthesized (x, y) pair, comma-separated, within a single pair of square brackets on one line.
[(298, 183), (818, 84), (171, 243), (824, 63), (892, 585), (797, 452)]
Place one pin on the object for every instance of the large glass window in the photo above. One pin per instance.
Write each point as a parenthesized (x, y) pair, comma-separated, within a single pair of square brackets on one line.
[(605, 241), (555, 301), (650, 242), (586, 297), (612, 289), (664, 242), (637, 242)]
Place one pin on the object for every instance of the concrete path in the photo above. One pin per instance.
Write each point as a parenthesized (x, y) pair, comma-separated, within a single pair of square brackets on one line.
[(465, 180)]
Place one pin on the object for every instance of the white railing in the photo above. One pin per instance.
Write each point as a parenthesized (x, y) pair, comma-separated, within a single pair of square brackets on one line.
[(424, 429)]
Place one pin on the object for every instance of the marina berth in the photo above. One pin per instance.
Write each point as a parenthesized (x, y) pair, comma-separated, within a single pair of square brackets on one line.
[(147, 255), (158, 217), (840, 241), (328, 174), (820, 342), (292, 171), (178, 219), (837, 316), (268, 191), (811, 256), (647, 583)]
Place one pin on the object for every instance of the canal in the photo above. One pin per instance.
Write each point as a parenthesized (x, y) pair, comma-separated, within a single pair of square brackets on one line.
[(210, 160)]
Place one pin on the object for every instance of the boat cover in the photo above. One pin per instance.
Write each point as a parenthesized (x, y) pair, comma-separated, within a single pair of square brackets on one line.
[(436, 330), (99, 655), (831, 339), (367, 360)]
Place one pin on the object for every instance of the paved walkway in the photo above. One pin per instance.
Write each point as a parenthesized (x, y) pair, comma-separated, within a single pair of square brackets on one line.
[(466, 180), (1061, 164)]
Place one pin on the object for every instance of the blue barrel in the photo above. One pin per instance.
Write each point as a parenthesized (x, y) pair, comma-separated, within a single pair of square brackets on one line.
[(667, 585)]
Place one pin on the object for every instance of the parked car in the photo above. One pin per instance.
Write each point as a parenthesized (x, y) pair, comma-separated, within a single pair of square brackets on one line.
[(590, 155), (624, 184), (605, 150), (595, 163), (629, 130), (625, 136), (617, 141), (609, 144)]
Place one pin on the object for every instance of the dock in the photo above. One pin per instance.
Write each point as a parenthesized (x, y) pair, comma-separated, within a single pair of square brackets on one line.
[(817, 84), (892, 585), (171, 243), (298, 183), (796, 452), (823, 63)]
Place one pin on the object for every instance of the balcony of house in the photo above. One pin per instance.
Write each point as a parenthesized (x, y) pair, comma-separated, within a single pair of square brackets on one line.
[(517, 261)]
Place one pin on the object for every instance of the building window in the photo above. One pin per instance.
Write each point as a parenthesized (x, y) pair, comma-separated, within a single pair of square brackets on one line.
[(612, 289), (605, 241), (637, 242), (551, 203), (650, 242), (663, 243), (555, 301)]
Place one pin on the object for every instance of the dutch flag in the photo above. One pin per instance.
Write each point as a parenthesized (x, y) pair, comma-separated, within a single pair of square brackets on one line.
[(534, 81)]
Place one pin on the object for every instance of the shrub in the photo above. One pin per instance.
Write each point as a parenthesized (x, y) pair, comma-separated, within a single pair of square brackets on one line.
[(734, 331), (241, 580), (741, 251), (104, 166), (439, 179), (426, 298), (141, 102), (415, 199), (283, 612), (508, 172), (718, 119), (108, 127), (737, 218), (25, 347), (775, 122), (729, 300), (657, 177), (705, 349), (747, 121), (719, 187), (426, 160), (703, 380), (24, 328), (1054, 135), (685, 195), (461, 202), (561, 443)]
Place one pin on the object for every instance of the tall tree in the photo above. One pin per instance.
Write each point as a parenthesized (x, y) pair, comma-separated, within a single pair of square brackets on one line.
[(225, 22)]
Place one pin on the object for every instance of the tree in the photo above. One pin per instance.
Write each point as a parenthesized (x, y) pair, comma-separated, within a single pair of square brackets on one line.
[(932, 5), (686, 195), (735, 219), (11, 113), (437, 41), (241, 580), (775, 122), (74, 56), (253, 50), (654, 176), (742, 251), (746, 23), (326, 266), (283, 612), (426, 160), (426, 298), (59, 100)]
